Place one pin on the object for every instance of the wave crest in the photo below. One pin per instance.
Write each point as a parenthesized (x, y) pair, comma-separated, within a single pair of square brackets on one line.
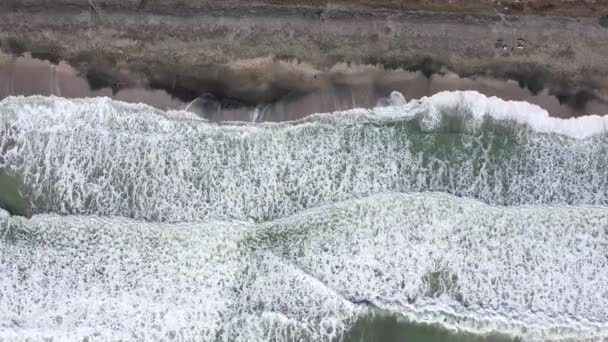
[(96, 156), (535, 272)]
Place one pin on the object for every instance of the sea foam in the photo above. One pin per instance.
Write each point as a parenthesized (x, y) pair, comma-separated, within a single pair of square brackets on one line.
[(98, 156), (535, 272), (296, 230), (520, 112)]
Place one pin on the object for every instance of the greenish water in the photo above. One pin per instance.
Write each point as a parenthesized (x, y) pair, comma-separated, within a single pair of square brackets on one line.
[(386, 327), (116, 160), (12, 198), (417, 222), (350, 271)]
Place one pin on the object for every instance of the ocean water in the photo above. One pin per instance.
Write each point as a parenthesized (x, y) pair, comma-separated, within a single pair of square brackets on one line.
[(455, 217)]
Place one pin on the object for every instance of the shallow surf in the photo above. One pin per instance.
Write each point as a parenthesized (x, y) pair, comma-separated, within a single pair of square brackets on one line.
[(449, 218)]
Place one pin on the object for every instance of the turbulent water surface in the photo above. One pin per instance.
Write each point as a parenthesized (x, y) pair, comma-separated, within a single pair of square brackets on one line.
[(455, 217)]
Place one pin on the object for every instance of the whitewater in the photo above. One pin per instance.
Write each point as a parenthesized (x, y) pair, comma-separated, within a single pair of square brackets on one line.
[(459, 215)]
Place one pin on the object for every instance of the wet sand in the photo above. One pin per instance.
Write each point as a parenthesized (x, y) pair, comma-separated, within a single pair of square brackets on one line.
[(267, 54), (29, 76), (341, 88)]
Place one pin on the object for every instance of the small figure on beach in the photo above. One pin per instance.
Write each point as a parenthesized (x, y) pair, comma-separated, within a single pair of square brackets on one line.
[(500, 43), (502, 46)]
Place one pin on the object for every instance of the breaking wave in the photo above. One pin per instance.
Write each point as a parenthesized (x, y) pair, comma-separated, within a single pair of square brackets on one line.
[(531, 272), (100, 157), (453, 217)]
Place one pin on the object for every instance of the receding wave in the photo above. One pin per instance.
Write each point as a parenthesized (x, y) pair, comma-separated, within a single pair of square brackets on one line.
[(100, 157), (537, 273)]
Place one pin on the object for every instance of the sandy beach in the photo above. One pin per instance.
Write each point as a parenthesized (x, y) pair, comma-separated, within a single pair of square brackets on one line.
[(292, 59), (341, 88)]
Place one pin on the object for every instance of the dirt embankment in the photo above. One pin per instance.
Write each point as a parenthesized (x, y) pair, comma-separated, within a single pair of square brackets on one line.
[(572, 8), (237, 49)]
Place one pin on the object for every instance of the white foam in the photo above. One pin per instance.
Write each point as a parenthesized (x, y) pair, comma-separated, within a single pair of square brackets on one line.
[(97, 156), (539, 273), (446, 102), (520, 112), (110, 279), (397, 99), (535, 272)]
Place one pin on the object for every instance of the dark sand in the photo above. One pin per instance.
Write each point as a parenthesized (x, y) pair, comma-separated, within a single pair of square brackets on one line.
[(341, 88)]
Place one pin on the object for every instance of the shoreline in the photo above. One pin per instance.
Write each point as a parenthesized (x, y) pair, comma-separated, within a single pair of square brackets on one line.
[(284, 58), (342, 88)]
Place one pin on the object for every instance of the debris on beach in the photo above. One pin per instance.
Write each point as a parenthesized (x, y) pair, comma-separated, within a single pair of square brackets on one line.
[(500, 43)]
